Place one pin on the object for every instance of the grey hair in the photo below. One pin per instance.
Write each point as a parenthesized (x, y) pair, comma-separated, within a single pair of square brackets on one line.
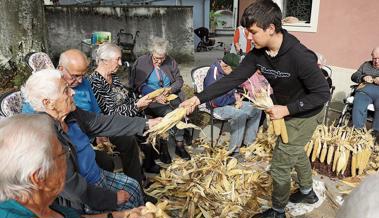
[(41, 85), (159, 45), (107, 51), (25, 148)]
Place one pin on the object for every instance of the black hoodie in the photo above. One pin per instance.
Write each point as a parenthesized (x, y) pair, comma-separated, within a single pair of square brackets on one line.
[(297, 81)]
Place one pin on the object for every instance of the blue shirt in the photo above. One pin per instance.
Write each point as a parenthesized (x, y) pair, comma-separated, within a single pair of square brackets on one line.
[(13, 209), (157, 79)]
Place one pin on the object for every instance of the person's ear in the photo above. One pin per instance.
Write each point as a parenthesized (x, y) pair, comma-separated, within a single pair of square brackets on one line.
[(48, 104), (271, 29), (60, 68), (38, 182)]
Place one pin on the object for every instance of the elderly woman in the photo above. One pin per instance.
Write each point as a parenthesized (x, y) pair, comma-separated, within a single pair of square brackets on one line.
[(157, 70), (48, 92), (115, 98), (33, 166)]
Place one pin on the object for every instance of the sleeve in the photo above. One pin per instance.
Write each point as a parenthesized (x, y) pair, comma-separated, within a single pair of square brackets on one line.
[(314, 82), (236, 36), (78, 190), (231, 81), (178, 83), (109, 125), (357, 77), (95, 105), (220, 101)]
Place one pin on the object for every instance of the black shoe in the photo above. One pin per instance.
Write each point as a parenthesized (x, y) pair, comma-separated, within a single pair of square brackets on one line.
[(148, 198), (181, 151), (299, 197), (164, 155), (270, 213), (154, 169)]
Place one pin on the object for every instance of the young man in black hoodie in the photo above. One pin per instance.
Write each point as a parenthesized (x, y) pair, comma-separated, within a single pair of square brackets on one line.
[(300, 92)]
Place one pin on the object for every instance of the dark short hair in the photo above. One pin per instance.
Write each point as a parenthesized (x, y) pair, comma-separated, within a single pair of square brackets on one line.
[(262, 13)]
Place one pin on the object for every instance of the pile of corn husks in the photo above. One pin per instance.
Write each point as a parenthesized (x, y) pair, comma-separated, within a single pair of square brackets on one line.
[(212, 184)]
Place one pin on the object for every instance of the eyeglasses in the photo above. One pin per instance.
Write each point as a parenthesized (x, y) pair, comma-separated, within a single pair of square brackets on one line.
[(74, 76), (156, 59)]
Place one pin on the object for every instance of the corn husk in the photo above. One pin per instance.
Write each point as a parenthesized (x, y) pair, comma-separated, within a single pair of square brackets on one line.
[(212, 184)]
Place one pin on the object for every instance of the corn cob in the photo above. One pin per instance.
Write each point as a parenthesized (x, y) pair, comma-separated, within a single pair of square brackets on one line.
[(309, 148), (323, 152), (347, 153), (316, 148), (277, 127), (330, 154), (341, 161), (335, 159), (283, 131), (354, 164)]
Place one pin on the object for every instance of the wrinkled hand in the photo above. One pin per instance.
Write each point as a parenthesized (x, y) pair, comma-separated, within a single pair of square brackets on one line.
[(101, 140), (167, 92), (161, 99), (238, 103), (277, 112), (190, 104), (368, 79), (143, 102), (376, 80), (122, 197), (153, 122), (132, 213)]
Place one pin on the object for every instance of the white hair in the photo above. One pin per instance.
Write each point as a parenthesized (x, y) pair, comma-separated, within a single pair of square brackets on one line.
[(159, 45), (107, 51), (41, 85), (320, 59), (25, 148)]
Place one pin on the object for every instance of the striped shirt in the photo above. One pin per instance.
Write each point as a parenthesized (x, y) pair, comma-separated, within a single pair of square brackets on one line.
[(113, 98)]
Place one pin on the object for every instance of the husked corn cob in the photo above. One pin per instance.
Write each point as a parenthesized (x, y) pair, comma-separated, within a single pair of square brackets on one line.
[(323, 152), (330, 154)]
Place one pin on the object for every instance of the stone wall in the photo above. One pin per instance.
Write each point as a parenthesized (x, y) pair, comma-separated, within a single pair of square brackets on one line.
[(69, 25)]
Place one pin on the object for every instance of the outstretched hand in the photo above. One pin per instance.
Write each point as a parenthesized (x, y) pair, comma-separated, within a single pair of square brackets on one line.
[(190, 104), (153, 122)]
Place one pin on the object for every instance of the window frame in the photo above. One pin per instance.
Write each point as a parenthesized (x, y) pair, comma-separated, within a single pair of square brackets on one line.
[(304, 27)]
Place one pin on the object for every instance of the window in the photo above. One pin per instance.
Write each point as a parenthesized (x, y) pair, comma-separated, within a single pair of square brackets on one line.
[(300, 15)]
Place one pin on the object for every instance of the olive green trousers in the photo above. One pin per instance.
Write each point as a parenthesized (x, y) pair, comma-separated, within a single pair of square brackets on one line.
[(292, 155)]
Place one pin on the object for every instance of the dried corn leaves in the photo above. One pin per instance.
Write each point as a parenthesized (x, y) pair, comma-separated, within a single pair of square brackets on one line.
[(212, 184)]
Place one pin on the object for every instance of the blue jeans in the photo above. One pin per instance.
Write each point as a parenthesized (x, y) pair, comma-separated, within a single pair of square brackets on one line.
[(363, 97), (243, 122)]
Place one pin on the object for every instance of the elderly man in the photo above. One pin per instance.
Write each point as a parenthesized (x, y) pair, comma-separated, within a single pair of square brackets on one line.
[(367, 92), (33, 165)]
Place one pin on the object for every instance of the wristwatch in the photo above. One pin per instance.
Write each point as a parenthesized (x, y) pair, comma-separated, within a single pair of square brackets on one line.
[(110, 215)]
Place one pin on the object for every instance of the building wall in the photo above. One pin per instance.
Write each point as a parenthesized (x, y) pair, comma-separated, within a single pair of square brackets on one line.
[(69, 25), (347, 32), (201, 10)]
